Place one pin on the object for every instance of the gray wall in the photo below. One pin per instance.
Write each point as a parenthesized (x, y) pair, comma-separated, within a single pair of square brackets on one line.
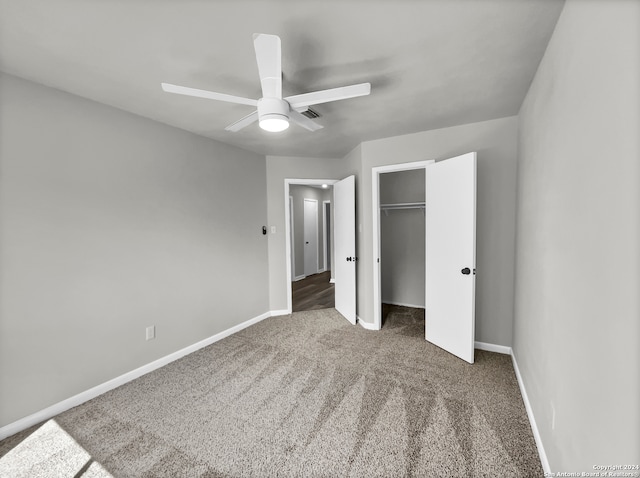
[(402, 239), (577, 313), (496, 144), (110, 223), (299, 194)]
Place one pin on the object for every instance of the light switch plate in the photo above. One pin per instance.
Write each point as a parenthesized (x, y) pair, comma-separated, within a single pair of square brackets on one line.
[(151, 332)]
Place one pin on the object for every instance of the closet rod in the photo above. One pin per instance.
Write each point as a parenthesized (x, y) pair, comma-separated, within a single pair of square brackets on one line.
[(405, 205)]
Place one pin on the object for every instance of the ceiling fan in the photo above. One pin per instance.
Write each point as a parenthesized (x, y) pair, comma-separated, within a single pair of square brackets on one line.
[(273, 111)]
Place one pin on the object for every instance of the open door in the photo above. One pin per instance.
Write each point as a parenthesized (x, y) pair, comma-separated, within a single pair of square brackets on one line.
[(344, 239), (451, 255)]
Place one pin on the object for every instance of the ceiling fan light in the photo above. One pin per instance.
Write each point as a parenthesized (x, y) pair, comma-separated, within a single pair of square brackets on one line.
[(274, 123)]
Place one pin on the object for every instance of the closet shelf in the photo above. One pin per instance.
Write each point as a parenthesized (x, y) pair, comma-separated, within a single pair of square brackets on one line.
[(403, 205)]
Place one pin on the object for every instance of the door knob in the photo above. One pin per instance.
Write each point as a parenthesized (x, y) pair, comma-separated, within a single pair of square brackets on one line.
[(466, 271)]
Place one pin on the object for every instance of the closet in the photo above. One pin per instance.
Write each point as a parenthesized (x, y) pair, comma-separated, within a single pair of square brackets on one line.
[(428, 260), (402, 237)]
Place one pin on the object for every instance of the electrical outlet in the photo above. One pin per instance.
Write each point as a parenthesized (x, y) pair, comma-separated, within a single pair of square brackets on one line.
[(151, 332), (273, 229)]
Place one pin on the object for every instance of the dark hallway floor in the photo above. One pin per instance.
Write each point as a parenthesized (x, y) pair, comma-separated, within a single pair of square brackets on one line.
[(313, 292)]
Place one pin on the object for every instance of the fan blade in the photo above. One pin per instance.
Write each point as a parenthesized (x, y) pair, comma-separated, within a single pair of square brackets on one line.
[(325, 96), (211, 95), (241, 123), (303, 121), (268, 56)]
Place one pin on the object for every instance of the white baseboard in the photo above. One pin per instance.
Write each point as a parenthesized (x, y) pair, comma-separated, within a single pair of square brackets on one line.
[(532, 419), (501, 349), (332, 281), (402, 304), (56, 409), (320, 271), (275, 313), (366, 325), (296, 279)]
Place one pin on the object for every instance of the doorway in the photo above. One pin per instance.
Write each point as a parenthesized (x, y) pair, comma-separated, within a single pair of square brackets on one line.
[(390, 207), (450, 244), (343, 246), (310, 285), (402, 242)]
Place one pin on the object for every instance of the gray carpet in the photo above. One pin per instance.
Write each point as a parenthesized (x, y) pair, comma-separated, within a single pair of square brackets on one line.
[(309, 395)]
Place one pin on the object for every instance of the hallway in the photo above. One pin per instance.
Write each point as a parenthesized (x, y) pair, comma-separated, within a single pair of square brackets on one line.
[(313, 292)]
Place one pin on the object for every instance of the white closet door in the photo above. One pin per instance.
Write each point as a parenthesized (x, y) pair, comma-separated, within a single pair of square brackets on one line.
[(310, 237), (451, 255), (344, 245)]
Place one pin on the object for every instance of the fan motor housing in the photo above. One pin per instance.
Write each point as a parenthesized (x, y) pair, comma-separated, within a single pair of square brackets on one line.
[(273, 108)]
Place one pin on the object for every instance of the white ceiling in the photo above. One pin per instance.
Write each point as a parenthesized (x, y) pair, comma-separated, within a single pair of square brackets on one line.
[(431, 63)]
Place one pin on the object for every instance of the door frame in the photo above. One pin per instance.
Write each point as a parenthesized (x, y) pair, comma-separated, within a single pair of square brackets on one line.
[(375, 202), (304, 235), (287, 235), (291, 236), (325, 236)]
